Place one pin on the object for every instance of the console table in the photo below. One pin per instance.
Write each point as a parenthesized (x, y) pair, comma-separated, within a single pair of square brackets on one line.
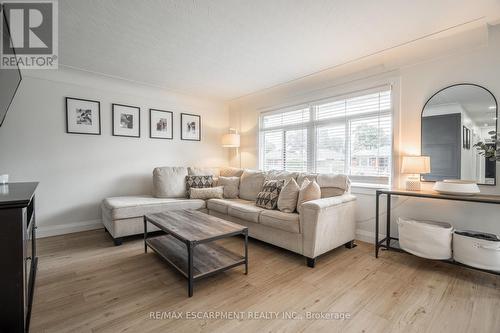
[(18, 259), (385, 243)]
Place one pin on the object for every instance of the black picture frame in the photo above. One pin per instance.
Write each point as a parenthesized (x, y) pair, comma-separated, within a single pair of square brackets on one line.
[(464, 137), (151, 124), (182, 127), (67, 100), (467, 146), (113, 105)]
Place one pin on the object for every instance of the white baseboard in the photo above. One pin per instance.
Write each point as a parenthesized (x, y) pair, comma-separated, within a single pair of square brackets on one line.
[(367, 236), (67, 228)]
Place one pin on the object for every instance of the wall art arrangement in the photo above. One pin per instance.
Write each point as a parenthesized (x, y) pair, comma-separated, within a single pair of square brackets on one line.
[(190, 127), (83, 116)]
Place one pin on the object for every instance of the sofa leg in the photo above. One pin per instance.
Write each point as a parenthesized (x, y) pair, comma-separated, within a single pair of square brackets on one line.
[(118, 241), (311, 262), (350, 245)]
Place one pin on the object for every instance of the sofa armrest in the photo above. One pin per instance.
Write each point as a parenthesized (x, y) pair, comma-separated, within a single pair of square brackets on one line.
[(325, 203), (327, 223)]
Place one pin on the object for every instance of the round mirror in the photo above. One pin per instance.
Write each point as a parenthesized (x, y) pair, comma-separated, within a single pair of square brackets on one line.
[(453, 120)]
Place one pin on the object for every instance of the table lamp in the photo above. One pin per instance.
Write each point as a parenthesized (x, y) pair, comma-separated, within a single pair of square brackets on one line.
[(415, 165)]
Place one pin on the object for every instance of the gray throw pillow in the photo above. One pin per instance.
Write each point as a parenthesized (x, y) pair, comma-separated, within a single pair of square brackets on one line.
[(198, 182), (268, 197), (231, 186)]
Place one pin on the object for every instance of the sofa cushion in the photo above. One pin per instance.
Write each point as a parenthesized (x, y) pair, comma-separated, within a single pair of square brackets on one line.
[(333, 180), (308, 191), (245, 211), (202, 171), (230, 172), (135, 206), (287, 201), (198, 182), (327, 192), (231, 186), (251, 182), (207, 193), (306, 175), (169, 182), (281, 175), (279, 220), (221, 205), (268, 197)]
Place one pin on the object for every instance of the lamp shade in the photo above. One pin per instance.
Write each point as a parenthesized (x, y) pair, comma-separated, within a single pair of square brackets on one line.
[(231, 140), (416, 164)]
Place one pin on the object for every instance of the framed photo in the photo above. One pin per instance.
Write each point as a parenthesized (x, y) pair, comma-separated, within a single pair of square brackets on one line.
[(464, 137), (468, 139), (190, 127), (161, 124), (83, 116), (126, 120)]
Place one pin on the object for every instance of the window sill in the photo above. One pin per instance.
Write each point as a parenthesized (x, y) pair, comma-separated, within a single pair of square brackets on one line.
[(368, 185)]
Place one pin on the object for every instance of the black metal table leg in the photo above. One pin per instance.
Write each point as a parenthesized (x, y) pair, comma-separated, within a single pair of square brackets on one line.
[(145, 234), (388, 237), (376, 223), (246, 252), (190, 268)]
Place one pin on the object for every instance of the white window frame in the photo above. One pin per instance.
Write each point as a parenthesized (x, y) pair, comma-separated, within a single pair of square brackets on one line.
[(313, 124)]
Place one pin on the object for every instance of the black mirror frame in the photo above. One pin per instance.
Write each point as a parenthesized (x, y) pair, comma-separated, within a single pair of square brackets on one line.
[(451, 86)]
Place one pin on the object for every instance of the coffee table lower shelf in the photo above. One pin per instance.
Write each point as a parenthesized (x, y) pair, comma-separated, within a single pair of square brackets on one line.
[(209, 258)]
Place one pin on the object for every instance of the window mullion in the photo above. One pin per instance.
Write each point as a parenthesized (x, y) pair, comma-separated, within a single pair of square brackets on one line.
[(311, 141), (284, 150)]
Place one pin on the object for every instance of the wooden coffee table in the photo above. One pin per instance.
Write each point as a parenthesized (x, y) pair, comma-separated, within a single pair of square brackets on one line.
[(187, 230)]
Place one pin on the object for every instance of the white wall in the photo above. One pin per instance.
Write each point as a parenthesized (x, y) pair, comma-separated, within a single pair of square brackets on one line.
[(77, 171), (416, 72)]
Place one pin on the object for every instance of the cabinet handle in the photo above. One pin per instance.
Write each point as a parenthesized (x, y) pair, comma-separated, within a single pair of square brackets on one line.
[(28, 258)]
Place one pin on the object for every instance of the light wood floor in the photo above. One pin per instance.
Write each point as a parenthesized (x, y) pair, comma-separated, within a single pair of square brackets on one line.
[(85, 284)]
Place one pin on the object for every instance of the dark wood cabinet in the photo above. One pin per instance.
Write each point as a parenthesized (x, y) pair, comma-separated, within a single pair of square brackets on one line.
[(18, 260)]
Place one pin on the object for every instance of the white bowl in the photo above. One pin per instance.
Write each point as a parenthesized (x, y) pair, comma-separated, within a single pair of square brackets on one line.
[(456, 187)]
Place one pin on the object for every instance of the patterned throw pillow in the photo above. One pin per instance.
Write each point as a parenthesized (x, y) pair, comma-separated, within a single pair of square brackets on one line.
[(268, 197), (198, 182)]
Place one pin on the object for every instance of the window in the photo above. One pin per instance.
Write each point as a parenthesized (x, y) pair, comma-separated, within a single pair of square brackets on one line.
[(350, 135)]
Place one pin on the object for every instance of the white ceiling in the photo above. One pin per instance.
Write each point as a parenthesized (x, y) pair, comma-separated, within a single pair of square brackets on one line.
[(224, 49)]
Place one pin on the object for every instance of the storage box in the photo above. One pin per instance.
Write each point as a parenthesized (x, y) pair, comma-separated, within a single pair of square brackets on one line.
[(426, 239), (477, 249)]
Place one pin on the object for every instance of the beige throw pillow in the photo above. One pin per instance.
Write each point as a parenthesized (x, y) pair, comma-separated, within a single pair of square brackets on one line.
[(251, 183), (169, 182), (287, 201), (308, 191), (207, 193), (231, 186)]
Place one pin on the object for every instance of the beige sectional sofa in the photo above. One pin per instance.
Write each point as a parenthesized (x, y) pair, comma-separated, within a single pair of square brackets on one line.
[(321, 225)]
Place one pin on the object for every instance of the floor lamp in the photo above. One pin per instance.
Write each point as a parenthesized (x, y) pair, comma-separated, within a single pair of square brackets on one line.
[(232, 140)]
